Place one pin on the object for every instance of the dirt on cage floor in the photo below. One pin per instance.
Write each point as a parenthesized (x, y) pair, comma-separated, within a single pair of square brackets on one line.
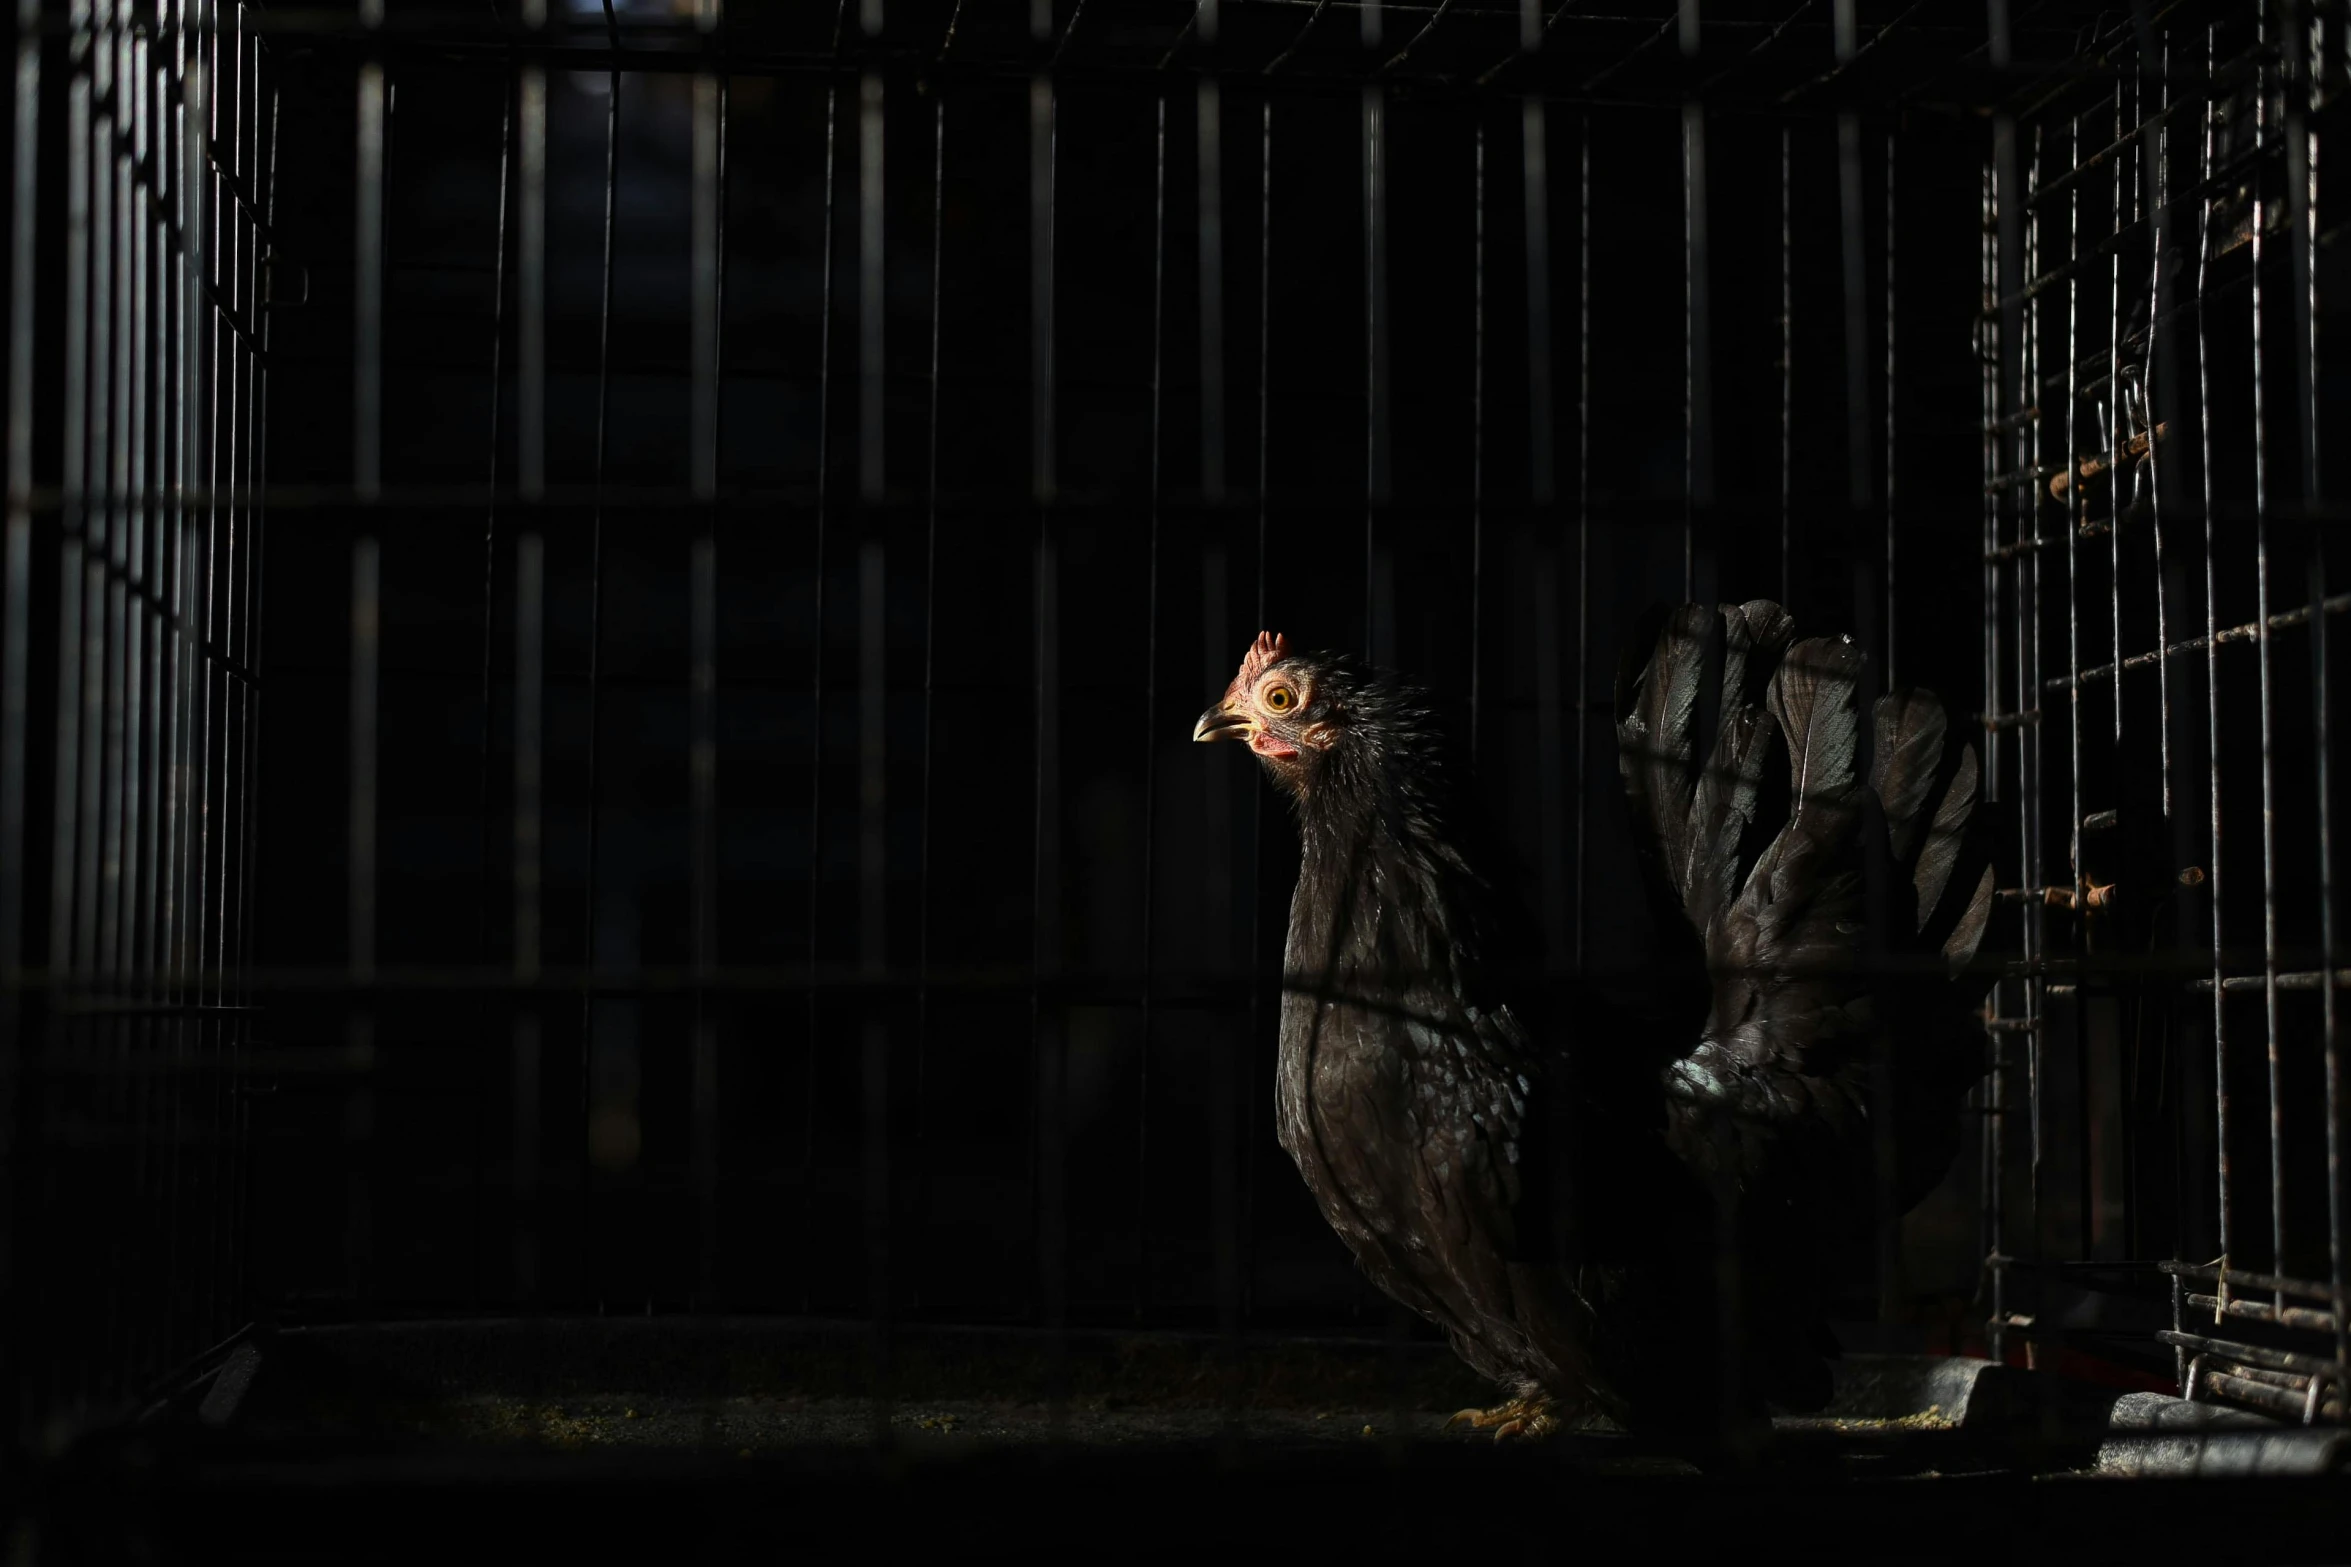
[(616, 1439)]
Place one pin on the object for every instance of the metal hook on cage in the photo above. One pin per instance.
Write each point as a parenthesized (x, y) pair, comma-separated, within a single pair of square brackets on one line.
[(2310, 1397), (2134, 403)]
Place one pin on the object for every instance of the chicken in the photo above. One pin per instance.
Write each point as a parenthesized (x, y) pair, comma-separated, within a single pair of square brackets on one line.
[(1629, 1206)]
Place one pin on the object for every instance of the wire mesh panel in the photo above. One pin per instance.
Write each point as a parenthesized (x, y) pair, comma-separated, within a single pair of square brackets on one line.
[(2158, 658), (139, 342)]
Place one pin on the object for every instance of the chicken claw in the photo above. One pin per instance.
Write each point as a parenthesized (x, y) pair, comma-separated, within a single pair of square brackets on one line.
[(1527, 1418)]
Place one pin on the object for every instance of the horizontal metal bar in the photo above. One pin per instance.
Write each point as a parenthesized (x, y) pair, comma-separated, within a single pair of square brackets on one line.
[(2300, 979), (589, 42), (2008, 552), (2303, 1317), (2276, 1284), (2285, 1402), (2026, 478), (2096, 465), (386, 506), (2031, 715), (496, 982), (2244, 633), (2250, 1354), (2096, 896)]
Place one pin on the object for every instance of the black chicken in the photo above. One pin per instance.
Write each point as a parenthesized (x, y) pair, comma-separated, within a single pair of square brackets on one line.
[(1632, 1208)]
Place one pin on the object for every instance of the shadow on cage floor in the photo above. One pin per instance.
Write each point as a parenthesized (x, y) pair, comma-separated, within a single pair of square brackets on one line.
[(509, 1440), (764, 1387)]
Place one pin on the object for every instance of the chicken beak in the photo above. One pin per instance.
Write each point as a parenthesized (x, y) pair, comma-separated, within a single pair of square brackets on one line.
[(1222, 723)]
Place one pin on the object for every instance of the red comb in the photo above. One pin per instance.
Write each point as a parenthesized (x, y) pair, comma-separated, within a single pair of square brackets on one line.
[(1268, 649)]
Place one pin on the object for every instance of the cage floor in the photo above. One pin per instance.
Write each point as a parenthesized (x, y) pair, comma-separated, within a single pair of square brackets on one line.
[(478, 1440)]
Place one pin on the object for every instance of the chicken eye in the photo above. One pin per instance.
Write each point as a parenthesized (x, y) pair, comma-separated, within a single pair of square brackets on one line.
[(1280, 699)]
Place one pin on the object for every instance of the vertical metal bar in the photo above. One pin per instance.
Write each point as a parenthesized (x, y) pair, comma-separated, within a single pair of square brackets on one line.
[(2261, 635), (530, 683), (824, 457), (2028, 689), (2123, 393), (530, 393), (930, 624), (1212, 342), (102, 714), (156, 1193), (2155, 166), (1787, 363), (873, 306), (2302, 203), (1151, 719), (490, 519), (1264, 338), (702, 570), (1893, 680), (1041, 370), (1697, 329), (109, 727), (1378, 588), (102, 852), (873, 720), (2116, 436), (2163, 409), (15, 645), (703, 432), (1991, 348), (1227, 1176), (140, 577), (367, 391), (1242, 1266), (483, 828), (1477, 448), (1542, 486), (2220, 1058), (247, 96), (172, 425), (1378, 571), (193, 1245), (1216, 920), (74, 518), (1535, 200), (366, 589), (2075, 511), (1853, 219), (152, 485), (1046, 1004), (1583, 481), (16, 570), (252, 642), (591, 1278), (192, 1084)]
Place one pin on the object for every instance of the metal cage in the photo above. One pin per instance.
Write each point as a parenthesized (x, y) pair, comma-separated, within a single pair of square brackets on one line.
[(2153, 331), (733, 505)]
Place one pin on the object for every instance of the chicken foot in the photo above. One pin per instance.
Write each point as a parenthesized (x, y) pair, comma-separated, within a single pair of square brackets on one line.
[(1530, 1418)]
